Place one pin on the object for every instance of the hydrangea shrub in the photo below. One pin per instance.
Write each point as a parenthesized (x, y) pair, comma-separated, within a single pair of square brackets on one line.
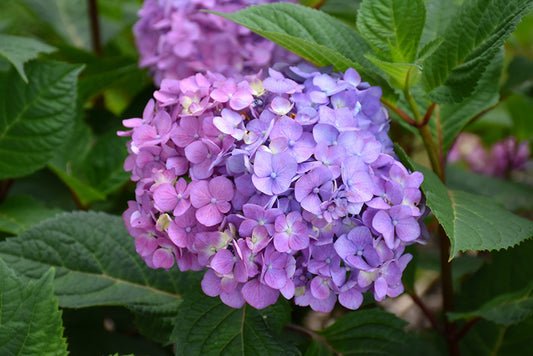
[(286, 184), (275, 186)]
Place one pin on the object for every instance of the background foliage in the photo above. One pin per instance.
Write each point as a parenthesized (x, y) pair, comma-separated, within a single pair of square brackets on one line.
[(70, 279)]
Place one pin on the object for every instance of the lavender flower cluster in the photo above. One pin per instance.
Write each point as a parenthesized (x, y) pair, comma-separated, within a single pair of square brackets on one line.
[(283, 185), (502, 159), (175, 40)]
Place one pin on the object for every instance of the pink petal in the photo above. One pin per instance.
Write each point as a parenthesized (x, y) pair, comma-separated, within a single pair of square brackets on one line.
[(209, 215), (200, 194)]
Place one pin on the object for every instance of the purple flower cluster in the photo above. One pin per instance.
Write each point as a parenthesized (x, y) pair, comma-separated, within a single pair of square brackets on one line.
[(283, 185), (175, 40), (503, 158)]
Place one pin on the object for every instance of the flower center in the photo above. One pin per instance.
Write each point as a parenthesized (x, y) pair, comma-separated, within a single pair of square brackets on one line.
[(213, 200), (273, 175)]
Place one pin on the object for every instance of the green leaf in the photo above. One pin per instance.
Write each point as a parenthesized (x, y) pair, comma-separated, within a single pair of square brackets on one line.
[(400, 75), (487, 338), (30, 322), (454, 117), (439, 13), (345, 10), (35, 119), (69, 19), (19, 50), (311, 34), (205, 326), (429, 48), (20, 212), (393, 27), (520, 75), (472, 222), (472, 38), (506, 309), (369, 331), (520, 108), (505, 272), (104, 73), (91, 166), (513, 195), (317, 348), (95, 262), (104, 165)]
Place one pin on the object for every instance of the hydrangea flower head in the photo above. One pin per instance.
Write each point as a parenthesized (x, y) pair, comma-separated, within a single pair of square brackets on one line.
[(501, 160), (284, 185), (176, 40)]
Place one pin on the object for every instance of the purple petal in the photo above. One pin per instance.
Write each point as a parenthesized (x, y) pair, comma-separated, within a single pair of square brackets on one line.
[(320, 288), (259, 295), (288, 290), (351, 299), (196, 152), (208, 215), (380, 287), (264, 185), (211, 283), (263, 164), (165, 197), (233, 299), (221, 188), (177, 235), (408, 229), (344, 247), (382, 223), (275, 278), (163, 258), (200, 194), (222, 262)]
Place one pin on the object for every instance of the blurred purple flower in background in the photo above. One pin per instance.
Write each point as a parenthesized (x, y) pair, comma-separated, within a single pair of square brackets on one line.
[(501, 160), (175, 40), (290, 190)]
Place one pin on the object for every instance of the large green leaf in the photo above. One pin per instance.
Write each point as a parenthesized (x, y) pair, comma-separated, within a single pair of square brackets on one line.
[(30, 322), (95, 262), (104, 166), (520, 75), (69, 19), (104, 73), (35, 119), (19, 50), (439, 13), (311, 34), (506, 309), (205, 326), (506, 272), (513, 195), (454, 117), (472, 38), (489, 339), (393, 27), (368, 332), (90, 165), (345, 10), (19, 212), (472, 222)]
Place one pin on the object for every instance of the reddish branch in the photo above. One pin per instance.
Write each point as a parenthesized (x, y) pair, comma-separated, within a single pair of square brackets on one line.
[(95, 27)]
